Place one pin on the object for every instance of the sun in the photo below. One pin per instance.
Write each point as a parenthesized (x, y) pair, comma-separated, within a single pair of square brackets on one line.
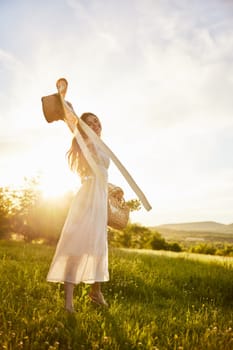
[(45, 162), (56, 184), (56, 178), (51, 188)]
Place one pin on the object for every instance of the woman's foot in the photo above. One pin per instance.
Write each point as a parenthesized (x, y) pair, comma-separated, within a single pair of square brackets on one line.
[(70, 309), (98, 298), (96, 295)]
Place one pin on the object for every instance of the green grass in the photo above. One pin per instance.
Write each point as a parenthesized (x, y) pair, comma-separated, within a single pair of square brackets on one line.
[(156, 302)]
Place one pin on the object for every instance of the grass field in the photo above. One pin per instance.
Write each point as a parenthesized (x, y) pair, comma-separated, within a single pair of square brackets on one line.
[(156, 302)]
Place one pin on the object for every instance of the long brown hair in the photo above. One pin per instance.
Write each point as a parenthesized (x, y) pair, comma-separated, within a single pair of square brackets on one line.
[(76, 160)]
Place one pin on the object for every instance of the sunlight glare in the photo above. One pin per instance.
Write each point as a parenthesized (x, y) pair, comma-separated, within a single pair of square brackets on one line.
[(51, 188), (55, 184)]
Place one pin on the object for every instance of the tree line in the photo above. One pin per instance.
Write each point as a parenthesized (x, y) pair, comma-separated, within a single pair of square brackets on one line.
[(26, 214)]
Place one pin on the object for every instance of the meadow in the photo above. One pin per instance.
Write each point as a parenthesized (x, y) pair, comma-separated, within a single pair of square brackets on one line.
[(156, 301)]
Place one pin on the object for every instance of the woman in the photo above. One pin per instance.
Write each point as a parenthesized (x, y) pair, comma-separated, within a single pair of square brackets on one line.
[(82, 252)]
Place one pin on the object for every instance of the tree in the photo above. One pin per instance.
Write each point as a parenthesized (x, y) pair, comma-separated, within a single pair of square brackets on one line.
[(157, 242), (25, 200), (36, 217), (174, 247), (5, 211), (132, 236)]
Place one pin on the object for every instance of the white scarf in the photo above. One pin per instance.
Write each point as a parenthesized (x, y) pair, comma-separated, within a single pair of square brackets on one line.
[(71, 119)]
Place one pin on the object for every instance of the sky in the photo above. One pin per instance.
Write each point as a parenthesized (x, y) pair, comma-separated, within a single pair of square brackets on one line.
[(159, 75)]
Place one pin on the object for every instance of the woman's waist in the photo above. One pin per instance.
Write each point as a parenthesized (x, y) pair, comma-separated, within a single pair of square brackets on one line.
[(86, 178)]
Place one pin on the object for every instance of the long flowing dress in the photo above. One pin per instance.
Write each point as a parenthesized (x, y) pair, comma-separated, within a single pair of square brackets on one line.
[(82, 251)]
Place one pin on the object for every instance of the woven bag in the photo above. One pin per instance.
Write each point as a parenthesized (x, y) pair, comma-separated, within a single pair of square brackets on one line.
[(118, 210), (53, 107)]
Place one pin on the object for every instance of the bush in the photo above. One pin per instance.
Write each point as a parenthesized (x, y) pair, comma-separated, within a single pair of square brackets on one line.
[(226, 250), (175, 247), (157, 242), (204, 248), (140, 237)]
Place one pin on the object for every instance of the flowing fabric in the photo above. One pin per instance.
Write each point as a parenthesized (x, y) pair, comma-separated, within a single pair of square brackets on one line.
[(71, 119), (82, 252)]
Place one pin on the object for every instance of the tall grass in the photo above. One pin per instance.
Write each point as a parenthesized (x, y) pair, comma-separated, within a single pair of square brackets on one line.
[(156, 302)]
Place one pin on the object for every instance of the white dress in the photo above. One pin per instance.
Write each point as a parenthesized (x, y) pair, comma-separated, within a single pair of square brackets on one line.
[(82, 251)]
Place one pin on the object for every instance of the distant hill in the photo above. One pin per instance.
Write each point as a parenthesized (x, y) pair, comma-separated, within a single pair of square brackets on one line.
[(203, 226), (194, 232), (230, 227)]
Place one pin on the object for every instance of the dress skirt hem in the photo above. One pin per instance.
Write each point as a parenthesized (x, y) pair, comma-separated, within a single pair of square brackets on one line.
[(78, 282)]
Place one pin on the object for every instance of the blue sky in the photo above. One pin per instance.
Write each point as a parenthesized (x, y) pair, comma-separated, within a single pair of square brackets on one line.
[(159, 75)]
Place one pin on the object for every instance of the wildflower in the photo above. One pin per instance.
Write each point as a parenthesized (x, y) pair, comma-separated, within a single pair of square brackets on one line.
[(105, 339)]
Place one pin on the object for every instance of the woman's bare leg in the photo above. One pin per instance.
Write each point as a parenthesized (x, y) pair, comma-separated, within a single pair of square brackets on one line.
[(69, 290), (96, 288)]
